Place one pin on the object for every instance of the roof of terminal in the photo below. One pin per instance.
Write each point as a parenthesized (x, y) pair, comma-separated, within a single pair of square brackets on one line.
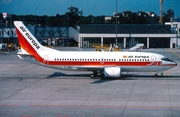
[(125, 28)]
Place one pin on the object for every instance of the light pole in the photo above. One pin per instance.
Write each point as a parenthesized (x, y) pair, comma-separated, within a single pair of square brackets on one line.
[(116, 22)]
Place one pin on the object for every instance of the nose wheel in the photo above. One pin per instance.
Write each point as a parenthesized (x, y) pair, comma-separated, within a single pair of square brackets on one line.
[(161, 74)]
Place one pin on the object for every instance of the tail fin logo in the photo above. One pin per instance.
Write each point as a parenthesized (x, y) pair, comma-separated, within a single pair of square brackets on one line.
[(29, 37)]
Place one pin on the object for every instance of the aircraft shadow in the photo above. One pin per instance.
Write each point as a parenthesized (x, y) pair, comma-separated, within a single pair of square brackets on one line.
[(123, 77), (137, 77), (59, 74)]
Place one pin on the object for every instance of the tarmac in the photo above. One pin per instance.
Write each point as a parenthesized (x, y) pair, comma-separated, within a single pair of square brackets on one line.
[(29, 90)]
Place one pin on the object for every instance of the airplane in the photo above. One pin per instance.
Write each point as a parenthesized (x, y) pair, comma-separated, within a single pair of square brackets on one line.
[(105, 64)]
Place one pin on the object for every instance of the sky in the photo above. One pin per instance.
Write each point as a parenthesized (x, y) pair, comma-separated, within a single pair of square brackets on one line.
[(89, 7)]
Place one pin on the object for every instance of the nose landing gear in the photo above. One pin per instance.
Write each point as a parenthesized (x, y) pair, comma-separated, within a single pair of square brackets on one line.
[(161, 74)]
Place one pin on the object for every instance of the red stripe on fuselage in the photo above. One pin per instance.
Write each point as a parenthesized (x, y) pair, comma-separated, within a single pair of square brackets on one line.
[(98, 63)]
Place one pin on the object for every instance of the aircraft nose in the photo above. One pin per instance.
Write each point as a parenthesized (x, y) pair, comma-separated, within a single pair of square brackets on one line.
[(169, 63), (173, 63)]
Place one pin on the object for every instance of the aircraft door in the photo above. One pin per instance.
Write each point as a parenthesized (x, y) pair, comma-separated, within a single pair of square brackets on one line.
[(46, 59), (153, 61), (102, 60)]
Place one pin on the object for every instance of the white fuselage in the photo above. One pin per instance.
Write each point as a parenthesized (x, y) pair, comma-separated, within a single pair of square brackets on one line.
[(92, 61)]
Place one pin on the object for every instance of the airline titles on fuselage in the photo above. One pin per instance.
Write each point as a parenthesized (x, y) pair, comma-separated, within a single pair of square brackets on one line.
[(144, 57)]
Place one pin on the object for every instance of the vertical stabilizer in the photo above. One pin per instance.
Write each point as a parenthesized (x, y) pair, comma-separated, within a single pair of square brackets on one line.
[(26, 40)]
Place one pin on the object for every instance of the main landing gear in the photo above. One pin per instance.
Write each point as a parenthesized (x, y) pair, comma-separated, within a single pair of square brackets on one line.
[(96, 73)]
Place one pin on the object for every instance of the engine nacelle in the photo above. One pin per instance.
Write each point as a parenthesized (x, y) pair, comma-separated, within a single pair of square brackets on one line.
[(112, 72)]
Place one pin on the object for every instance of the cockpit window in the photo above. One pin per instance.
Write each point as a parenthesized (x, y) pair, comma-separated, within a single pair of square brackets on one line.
[(166, 59)]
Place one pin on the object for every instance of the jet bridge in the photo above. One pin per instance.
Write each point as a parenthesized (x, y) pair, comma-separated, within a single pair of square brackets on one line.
[(62, 36), (138, 47)]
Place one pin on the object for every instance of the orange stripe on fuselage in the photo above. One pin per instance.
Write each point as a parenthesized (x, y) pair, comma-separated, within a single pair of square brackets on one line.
[(169, 65)]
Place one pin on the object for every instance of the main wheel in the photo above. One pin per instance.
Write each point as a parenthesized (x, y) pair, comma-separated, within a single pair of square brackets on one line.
[(92, 76), (156, 75)]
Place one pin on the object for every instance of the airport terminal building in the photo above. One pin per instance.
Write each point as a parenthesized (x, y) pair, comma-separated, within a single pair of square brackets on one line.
[(127, 35)]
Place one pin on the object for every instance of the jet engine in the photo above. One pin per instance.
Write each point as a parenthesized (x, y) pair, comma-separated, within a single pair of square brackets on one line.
[(112, 72)]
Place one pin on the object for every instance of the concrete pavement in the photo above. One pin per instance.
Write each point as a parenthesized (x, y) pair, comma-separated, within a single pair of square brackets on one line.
[(28, 90)]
